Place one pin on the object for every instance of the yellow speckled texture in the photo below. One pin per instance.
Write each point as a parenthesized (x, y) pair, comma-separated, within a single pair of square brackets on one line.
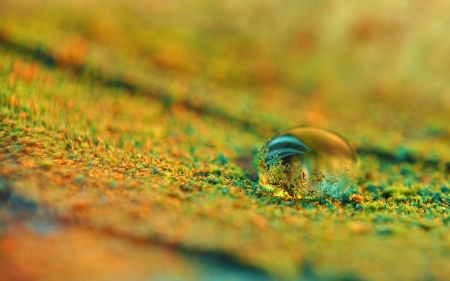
[(128, 132)]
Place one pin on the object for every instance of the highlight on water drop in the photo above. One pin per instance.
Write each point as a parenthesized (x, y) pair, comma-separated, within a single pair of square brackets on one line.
[(307, 159)]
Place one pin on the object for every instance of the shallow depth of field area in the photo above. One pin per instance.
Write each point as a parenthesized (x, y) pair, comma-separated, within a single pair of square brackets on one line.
[(128, 136)]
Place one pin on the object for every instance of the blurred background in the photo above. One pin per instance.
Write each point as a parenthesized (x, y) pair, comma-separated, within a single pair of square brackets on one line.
[(320, 57), (356, 67)]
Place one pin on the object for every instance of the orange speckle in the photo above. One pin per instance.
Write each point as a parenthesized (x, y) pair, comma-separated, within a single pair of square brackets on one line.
[(357, 198), (260, 222), (73, 52), (23, 71), (23, 115)]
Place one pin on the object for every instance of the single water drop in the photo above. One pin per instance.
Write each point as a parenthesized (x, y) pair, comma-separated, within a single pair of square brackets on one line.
[(307, 158)]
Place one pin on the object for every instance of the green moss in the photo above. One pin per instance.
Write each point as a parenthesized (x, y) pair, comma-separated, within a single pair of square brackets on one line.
[(175, 116)]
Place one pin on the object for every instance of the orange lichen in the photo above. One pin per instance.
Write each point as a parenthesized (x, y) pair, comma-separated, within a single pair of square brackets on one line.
[(356, 198), (259, 222), (24, 71), (72, 52)]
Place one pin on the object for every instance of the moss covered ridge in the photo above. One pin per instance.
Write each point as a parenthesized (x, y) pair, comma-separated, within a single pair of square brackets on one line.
[(149, 160)]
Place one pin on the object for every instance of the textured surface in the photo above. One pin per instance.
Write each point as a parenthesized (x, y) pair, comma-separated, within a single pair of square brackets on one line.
[(127, 134)]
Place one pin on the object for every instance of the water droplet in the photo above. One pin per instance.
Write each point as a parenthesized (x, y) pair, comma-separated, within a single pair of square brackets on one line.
[(306, 158)]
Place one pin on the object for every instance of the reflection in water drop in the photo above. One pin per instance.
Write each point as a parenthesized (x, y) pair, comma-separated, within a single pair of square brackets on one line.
[(306, 158)]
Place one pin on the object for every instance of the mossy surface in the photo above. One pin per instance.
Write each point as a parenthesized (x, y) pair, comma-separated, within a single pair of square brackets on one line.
[(141, 128)]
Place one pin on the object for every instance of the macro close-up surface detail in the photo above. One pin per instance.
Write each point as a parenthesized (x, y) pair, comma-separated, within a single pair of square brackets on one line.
[(224, 140), (309, 159)]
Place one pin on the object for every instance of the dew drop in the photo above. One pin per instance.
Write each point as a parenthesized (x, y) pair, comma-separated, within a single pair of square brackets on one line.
[(306, 158)]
